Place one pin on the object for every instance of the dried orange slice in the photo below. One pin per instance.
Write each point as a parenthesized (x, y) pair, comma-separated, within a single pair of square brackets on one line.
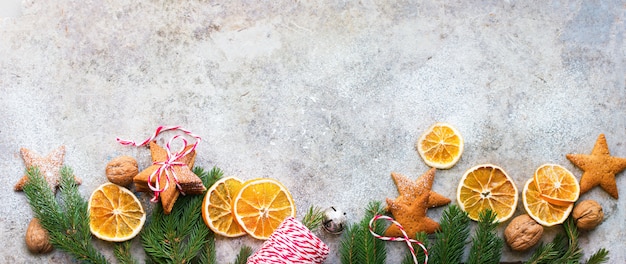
[(115, 213), (542, 211), (440, 146), (261, 205), (217, 207), (484, 187), (556, 184)]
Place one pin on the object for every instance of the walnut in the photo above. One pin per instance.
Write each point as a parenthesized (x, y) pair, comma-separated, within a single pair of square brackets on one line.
[(588, 214), (522, 233), (121, 170), (37, 238)]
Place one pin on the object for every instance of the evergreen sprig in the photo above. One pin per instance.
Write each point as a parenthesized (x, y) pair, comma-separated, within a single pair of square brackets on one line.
[(601, 256), (486, 244), (564, 248), (181, 236), (207, 255), (313, 218), (357, 243), (419, 251), (123, 254), (67, 220), (244, 253), (450, 239)]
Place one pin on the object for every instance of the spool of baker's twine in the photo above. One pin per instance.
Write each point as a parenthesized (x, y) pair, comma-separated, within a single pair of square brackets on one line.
[(291, 242), (405, 237)]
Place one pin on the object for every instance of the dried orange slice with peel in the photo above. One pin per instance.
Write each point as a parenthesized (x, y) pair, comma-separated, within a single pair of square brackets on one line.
[(115, 213), (440, 146), (545, 213), (261, 205), (217, 207), (484, 187), (556, 184)]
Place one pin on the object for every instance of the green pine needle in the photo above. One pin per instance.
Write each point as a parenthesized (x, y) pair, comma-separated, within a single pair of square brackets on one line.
[(450, 239), (564, 248), (122, 253), (313, 218), (357, 243), (486, 245), (207, 255), (573, 253), (419, 251), (67, 221), (601, 256), (181, 236), (244, 253), (545, 253)]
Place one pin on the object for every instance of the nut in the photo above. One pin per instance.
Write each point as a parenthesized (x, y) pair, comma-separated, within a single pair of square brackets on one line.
[(37, 238), (522, 233), (121, 170), (588, 214)]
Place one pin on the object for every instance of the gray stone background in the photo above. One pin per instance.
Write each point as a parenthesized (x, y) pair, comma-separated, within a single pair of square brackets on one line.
[(328, 97)]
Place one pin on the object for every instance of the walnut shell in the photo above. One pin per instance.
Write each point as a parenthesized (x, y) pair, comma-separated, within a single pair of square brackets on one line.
[(122, 170), (522, 233), (37, 238), (588, 214)]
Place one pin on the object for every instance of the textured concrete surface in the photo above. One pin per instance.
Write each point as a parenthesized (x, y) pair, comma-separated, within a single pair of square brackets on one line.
[(326, 96)]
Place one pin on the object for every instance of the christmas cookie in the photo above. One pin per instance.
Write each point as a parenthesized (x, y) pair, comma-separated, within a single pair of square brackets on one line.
[(169, 186), (409, 209), (49, 166), (599, 168)]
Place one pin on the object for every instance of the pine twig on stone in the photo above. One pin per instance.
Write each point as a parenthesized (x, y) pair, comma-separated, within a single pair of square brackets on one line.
[(486, 245), (67, 221)]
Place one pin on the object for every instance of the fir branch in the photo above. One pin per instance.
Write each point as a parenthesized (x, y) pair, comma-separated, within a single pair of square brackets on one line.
[(486, 245), (573, 252), (67, 222), (450, 239), (423, 238), (564, 248), (180, 236), (313, 218), (358, 245), (244, 253), (122, 253), (347, 248), (207, 255), (545, 253), (601, 256)]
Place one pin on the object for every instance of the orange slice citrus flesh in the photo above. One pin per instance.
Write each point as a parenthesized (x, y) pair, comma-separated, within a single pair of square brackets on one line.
[(115, 213), (440, 146), (556, 184), (261, 205), (545, 213), (217, 207), (484, 187)]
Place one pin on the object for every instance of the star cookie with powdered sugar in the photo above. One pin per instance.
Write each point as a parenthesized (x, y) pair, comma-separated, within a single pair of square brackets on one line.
[(49, 167)]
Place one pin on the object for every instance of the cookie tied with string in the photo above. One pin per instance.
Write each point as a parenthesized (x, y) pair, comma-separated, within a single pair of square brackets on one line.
[(188, 182)]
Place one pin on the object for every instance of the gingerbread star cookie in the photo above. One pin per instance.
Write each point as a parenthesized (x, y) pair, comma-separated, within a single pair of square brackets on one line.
[(409, 209), (599, 168), (187, 180), (49, 167)]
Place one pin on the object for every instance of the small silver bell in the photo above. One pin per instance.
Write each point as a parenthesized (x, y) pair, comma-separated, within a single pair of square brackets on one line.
[(334, 220)]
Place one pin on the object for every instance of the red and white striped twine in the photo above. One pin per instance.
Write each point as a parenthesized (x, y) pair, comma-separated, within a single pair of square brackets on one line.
[(166, 166), (291, 242), (405, 237)]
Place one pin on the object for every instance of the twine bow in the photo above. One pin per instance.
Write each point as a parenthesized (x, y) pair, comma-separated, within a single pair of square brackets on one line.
[(405, 237), (166, 166)]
